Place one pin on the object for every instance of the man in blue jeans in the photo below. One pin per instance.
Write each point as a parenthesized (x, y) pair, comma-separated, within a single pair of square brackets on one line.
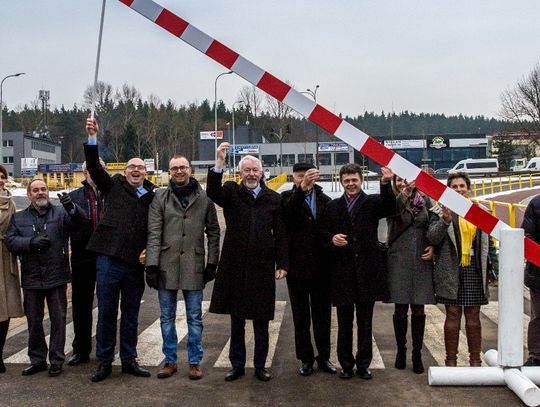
[(118, 240), (178, 220)]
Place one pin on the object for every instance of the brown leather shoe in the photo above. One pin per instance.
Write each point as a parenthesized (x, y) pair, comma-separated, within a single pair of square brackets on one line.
[(167, 370), (195, 372)]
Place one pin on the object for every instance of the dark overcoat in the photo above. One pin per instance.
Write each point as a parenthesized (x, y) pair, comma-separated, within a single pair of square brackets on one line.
[(123, 229), (255, 244), (306, 255), (358, 272)]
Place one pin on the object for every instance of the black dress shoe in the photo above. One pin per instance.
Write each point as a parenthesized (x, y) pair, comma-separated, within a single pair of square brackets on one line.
[(364, 373), (33, 369), (306, 369), (532, 361), (103, 371), (77, 359), (234, 374), (346, 374), (55, 370), (326, 366), (263, 374), (134, 369)]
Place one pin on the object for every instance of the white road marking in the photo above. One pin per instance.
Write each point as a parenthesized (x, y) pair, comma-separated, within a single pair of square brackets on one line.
[(273, 330)]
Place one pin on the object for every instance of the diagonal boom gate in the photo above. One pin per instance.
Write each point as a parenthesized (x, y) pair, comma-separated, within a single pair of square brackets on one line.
[(325, 119)]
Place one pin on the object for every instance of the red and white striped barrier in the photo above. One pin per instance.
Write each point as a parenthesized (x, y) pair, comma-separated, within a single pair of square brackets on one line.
[(325, 119)]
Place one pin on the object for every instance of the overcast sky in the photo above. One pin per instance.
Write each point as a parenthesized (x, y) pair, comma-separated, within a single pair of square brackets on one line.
[(423, 56)]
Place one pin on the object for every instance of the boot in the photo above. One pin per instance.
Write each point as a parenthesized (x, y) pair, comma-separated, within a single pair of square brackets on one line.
[(4, 326), (474, 334), (418, 323), (451, 333), (400, 331)]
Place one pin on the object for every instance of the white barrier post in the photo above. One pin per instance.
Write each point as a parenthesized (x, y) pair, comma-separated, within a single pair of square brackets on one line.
[(504, 364)]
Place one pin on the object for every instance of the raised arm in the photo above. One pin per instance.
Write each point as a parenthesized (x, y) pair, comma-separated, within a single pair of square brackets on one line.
[(214, 189), (99, 175)]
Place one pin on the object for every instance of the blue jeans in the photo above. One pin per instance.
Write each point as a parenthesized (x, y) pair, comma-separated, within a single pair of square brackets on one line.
[(117, 282), (167, 302)]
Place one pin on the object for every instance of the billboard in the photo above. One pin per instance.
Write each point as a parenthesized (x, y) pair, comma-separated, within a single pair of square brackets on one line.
[(333, 147), (210, 135), (244, 149), (399, 144)]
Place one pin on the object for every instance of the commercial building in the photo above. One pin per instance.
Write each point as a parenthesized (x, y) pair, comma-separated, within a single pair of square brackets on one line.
[(21, 154)]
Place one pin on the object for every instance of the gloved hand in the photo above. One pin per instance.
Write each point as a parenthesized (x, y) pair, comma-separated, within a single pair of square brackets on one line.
[(66, 201), (210, 272), (40, 242), (152, 276)]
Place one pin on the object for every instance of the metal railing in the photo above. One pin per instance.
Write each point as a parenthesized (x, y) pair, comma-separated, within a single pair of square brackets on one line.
[(510, 207), (501, 184)]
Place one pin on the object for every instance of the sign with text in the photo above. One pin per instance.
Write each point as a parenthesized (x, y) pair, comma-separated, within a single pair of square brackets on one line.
[(333, 147), (399, 144), (29, 163), (150, 164), (244, 149), (211, 135)]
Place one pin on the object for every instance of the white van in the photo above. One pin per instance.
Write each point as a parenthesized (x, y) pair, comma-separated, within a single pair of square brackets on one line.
[(517, 164), (532, 165), (477, 166)]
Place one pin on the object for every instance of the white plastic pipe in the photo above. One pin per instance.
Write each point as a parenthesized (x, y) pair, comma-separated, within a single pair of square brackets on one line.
[(492, 358), (524, 388), (510, 329), (465, 376)]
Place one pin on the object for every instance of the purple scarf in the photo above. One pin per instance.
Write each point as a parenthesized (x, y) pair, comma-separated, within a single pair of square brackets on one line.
[(417, 203)]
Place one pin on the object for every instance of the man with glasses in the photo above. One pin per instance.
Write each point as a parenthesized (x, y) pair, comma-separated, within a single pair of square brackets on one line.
[(254, 255), (118, 240), (179, 218)]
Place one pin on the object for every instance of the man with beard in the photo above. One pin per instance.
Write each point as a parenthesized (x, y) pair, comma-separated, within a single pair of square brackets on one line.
[(254, 255), (39, 236), (118, 240), (178, 220), (83, 266)]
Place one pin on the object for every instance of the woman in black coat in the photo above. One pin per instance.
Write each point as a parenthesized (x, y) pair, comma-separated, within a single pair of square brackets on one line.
[(349, 229)]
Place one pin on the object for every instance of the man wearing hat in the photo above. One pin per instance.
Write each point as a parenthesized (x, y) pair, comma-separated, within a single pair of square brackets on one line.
[(307, 280)]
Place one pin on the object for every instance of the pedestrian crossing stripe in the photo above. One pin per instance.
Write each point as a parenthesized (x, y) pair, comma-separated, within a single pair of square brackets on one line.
[(273, 330), (150, 341)]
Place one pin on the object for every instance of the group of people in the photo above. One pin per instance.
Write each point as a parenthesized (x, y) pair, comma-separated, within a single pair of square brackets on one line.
[(328, 250)]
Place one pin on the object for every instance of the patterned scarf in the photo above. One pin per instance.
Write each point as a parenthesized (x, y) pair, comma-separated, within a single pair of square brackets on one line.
[(417, 202)]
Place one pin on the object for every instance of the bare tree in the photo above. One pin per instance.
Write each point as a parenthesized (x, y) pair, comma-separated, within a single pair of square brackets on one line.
[(252, 98), (521, 105)]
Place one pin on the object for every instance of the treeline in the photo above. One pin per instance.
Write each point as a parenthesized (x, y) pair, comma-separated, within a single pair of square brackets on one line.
[(146, 127)]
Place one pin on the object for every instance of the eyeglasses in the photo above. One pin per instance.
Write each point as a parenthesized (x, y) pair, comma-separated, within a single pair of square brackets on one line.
[(132, 167), (180, 168)]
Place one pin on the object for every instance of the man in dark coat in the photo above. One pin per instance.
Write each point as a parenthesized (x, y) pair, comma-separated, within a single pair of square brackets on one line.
[(531, 225), (118, 240), (83, 266), (349, 229), (254, 255), (308, 278), (39, 236)]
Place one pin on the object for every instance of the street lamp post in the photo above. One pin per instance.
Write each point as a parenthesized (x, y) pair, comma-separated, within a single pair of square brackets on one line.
[(313, 94), (1, 112), (239, 102), (215, 108)]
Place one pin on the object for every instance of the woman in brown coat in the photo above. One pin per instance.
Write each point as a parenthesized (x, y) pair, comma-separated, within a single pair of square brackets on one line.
[(10, 290)]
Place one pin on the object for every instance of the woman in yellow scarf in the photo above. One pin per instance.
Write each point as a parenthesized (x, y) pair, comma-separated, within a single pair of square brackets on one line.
[(460, 274)]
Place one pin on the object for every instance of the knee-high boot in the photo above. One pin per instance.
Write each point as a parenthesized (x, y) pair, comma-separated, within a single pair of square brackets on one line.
[(473, 329), (451, 333), (418, 324), (400, 331), (4, 325)]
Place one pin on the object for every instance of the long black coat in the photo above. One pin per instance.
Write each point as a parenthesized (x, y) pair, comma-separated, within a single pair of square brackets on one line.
[(123, 229), (255, 245), (306, 254), (358, 272)]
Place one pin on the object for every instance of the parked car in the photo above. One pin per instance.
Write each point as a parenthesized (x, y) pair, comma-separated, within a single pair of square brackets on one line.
[(532, 165), (518, 164), (442, 171)]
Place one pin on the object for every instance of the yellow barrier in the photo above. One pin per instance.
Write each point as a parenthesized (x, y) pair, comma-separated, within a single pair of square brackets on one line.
[(501, 184), (510, 207), (277, 181)]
